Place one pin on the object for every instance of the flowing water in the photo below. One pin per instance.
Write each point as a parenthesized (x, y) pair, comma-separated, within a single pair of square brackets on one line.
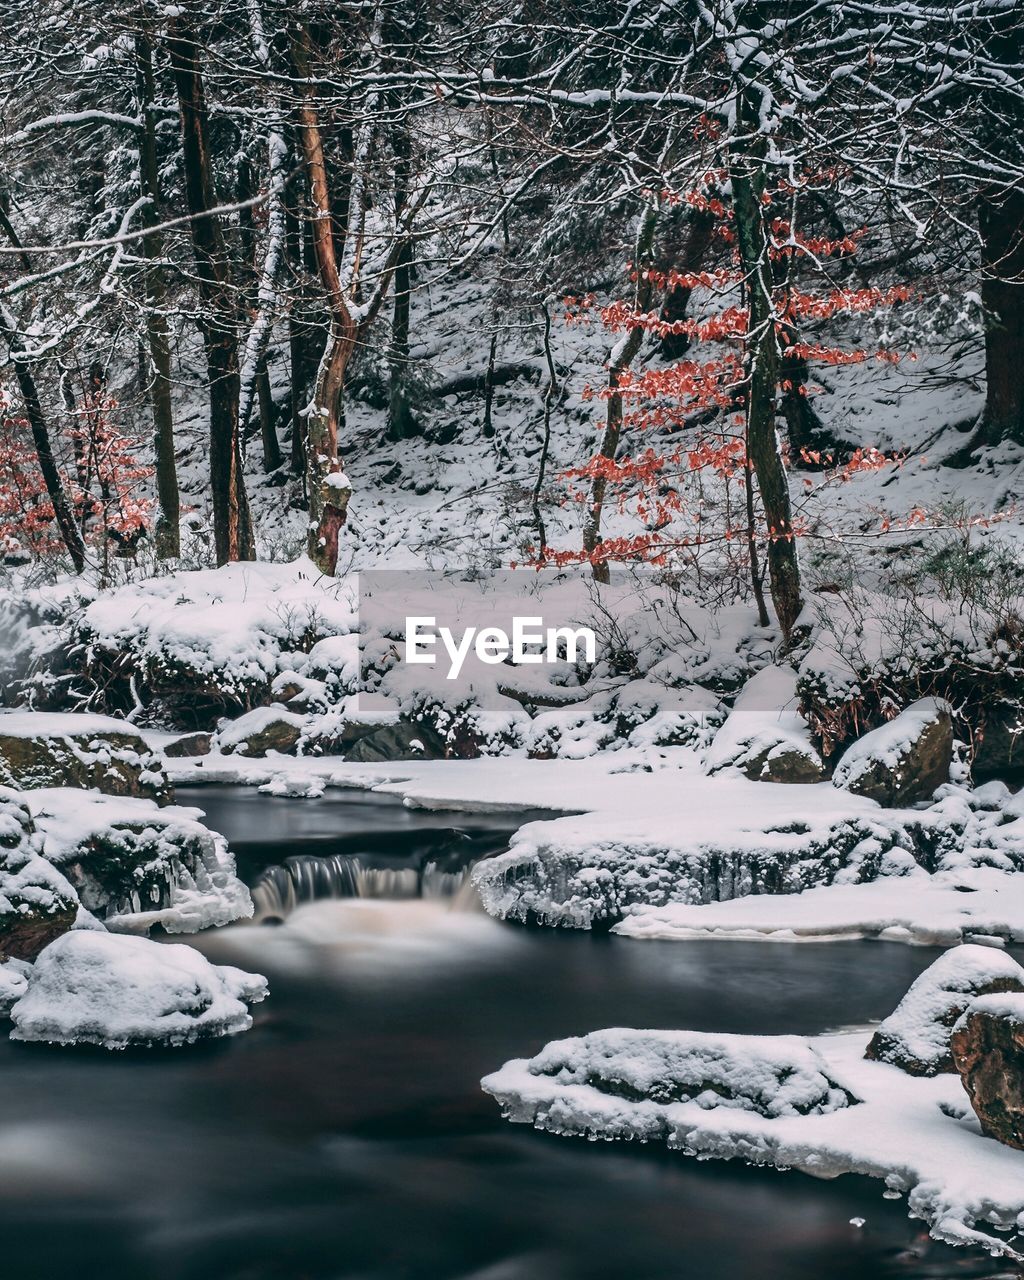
[(346, 1134)]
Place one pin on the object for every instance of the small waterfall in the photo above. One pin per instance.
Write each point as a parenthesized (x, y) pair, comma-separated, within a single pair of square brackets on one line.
[(305, 878)]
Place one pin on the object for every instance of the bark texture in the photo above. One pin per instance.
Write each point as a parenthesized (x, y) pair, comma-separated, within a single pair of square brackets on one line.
[(218, 323)]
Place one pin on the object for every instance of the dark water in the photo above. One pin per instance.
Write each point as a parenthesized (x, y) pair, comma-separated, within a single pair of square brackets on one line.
[(346, 1134)]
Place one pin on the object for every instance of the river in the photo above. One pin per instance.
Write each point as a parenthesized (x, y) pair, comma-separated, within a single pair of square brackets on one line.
[(346, 1134)]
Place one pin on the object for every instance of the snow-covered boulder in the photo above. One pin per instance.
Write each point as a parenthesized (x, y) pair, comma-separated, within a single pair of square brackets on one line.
[(259, 731), (765, 736), (903, 761), (135, 865), (13, 983), (988, 1049), (916, 1035), (772, 1076), (67, 749), (36, 902), (100, 988)]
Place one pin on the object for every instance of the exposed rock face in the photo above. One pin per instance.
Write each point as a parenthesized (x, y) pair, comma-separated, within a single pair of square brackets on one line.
[(257, 732), (916, 1035), (36, 902), (988, 1049), (905, 760), (764, 736), (400, 741), (1000, 752), (192, 744), (56, 749)]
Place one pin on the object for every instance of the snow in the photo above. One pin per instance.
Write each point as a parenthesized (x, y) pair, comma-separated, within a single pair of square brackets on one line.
[(61, 724), (769, 1075), (28, 882), (941, 909), (918, 1135), (116, 991), (13, 983), (915, 1036), (764, 722)]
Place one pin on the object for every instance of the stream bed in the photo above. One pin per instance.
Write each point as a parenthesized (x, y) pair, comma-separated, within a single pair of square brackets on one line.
[(346, 1135)]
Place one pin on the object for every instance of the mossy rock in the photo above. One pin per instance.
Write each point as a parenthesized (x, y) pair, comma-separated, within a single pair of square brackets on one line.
[(37, 904), (50, 749)]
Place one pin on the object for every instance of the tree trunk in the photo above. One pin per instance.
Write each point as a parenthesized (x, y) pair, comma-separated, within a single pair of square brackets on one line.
[(268, 424), (401, 423), (327, 485), (298, 343), (232, 526), (621, 357), (698, 241), (748, 183), (254, 377), (168, 544), (1001, 221), (62, 509)]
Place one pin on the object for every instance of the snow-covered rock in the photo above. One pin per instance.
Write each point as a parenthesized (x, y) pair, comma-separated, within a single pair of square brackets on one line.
[(903, 761), (261, 730), (188, 745), (918, 1135), (916, 1035), (764, 736), (36, 902), (136, 865), (988, 1049), (107, 989), (768, 1075), (67, 749)]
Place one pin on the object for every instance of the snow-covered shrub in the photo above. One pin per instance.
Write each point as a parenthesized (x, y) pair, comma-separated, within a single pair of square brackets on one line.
[(952, 629), (190, 646), (92, 987)]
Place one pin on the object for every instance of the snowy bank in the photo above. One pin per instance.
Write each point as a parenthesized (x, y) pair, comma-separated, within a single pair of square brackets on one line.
[(918, 1135)]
